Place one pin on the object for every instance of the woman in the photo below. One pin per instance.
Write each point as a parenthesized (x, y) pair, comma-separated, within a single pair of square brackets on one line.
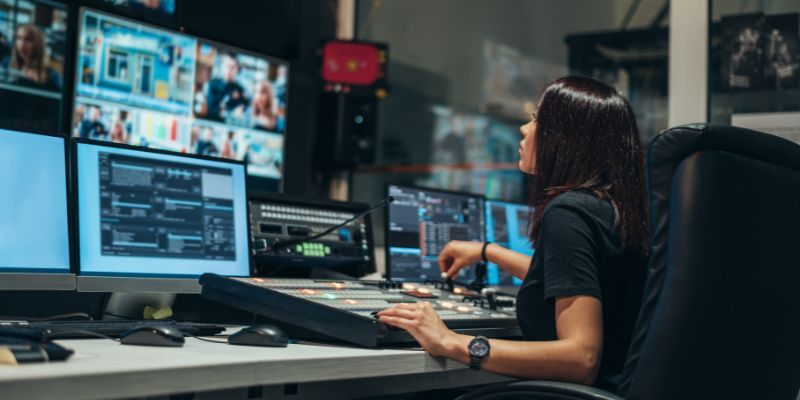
[(582, 289), (30, 59), (263, 108)]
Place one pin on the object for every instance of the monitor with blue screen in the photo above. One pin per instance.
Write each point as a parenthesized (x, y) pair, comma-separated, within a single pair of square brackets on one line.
[(34, 220), (506, 225), (154, 214)]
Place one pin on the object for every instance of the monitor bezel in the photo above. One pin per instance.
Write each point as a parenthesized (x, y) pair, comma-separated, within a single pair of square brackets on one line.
[(47, 279), (355, 207), (134, 282), (387, 215), (251, 181)]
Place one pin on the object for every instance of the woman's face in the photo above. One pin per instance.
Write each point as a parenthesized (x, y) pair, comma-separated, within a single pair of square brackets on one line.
[(527, 150), (24, 43)]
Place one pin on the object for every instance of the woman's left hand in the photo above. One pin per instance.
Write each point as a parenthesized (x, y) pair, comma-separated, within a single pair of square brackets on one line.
[(423, 323)]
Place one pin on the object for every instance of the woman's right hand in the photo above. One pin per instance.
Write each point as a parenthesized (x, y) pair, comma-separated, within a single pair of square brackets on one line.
[(458, 254)]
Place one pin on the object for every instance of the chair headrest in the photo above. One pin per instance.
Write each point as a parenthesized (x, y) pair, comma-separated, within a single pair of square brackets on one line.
[(665, 154)]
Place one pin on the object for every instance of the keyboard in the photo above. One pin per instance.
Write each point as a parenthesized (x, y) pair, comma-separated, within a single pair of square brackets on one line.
[(84, 329)]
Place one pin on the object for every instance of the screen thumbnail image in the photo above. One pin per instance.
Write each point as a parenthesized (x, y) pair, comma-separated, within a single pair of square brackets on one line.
[(239, 89), (124, 62), (32, 50), (262, 151)]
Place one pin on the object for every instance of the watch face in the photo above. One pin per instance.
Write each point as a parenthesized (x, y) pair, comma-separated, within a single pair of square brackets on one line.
[(478, 348)]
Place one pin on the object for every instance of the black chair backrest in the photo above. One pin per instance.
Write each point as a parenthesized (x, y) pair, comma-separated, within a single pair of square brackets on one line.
[(720, 316)]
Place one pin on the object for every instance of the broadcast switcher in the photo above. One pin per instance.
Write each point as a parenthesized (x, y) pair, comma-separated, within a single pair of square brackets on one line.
[(328, 310)]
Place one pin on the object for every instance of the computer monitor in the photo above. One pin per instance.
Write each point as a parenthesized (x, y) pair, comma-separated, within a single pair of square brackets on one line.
[(33, 48), (420, 222), (149, 86), (159, 10), (34, 227), (507, 225), (154, 221)]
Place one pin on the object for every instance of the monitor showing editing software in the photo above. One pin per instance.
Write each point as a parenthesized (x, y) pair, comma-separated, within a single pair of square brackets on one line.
[(148, 86), (34, 222), (506, 225), (153, 214), (420, 222)]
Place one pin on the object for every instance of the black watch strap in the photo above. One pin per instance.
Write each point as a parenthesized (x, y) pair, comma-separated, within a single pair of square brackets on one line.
[(475, 363), (483, 251)]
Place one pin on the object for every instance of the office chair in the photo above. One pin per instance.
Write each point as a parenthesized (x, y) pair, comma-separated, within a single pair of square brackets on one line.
[(720, 315)]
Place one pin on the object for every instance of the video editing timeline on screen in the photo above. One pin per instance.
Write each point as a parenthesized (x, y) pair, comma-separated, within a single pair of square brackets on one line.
[(507, 225), (279, 222), (343, 310), (421, 222), (156, 208)]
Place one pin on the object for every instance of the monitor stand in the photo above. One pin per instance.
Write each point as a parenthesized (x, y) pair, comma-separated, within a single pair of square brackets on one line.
[(124, 306)]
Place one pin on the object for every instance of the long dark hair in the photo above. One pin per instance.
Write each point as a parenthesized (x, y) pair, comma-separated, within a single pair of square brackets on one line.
[(587, 139)]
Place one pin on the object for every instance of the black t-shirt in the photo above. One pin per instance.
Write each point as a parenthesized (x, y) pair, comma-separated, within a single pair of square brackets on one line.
[(578, 253)]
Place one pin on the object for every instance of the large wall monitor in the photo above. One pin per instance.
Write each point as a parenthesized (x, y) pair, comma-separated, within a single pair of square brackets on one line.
[(507, 225), (147, 86), (420, 222), (34, 222), (154, 214), (33, 47)]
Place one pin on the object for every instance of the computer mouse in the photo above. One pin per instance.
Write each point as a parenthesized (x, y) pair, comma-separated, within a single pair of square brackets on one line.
[(153, 335), (260, 335)]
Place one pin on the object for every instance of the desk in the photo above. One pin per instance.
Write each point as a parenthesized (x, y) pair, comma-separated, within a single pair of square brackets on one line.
[(102, 369)]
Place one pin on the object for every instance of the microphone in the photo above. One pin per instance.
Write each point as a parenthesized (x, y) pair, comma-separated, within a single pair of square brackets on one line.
[(264, 247)]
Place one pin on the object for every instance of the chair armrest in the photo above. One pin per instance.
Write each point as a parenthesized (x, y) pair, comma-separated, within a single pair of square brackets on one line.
[(538, 390)]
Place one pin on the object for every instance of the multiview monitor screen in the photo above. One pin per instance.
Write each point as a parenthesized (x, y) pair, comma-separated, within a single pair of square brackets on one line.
[(420, 222), (34, 228), (155, 214), (147, 86), (507, 225), (33, 42)]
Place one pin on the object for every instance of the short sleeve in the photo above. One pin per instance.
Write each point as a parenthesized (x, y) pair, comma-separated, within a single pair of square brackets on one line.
[(569, 252)]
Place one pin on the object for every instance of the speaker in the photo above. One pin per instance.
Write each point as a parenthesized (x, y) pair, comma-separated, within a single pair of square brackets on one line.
[(347, 130)]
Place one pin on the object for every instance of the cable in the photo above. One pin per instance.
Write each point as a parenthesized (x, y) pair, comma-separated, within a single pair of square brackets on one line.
[(629, 14)]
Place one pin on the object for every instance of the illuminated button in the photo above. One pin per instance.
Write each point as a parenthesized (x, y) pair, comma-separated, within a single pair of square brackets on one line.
[(424, 290), (308, 292), (409, 286), (299, 248), (458, 290), (258, 280), (448, 305), (464, 309), (337, 285), (329, 296), (327, 250), (350, 301)]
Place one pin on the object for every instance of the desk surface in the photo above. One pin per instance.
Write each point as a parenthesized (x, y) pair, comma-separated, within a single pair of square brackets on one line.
[(107, 369)]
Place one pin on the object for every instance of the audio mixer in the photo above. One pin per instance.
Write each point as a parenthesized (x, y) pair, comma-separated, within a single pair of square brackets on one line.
[(329, 310)]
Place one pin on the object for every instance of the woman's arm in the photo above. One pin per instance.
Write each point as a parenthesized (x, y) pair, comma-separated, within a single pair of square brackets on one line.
[(459, 254), (573, 357), (514, 263)]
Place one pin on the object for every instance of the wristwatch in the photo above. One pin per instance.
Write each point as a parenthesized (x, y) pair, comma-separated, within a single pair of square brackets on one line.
[(478, 351)]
